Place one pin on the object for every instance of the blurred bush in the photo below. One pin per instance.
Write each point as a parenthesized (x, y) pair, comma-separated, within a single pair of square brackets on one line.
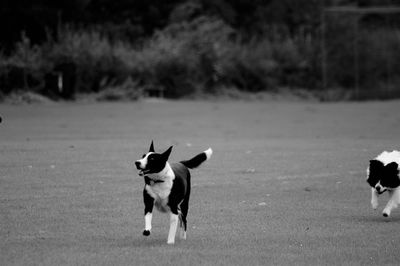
[(366, 59), (194, 54), (24, 69)]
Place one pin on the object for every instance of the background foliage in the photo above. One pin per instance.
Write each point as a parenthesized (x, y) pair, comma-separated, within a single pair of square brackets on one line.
[(185, 47)]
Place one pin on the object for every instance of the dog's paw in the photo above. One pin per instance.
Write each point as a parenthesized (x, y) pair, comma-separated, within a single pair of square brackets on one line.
[(146, 232), (374, 205), (386, 212), (182, 234), (170, 242)]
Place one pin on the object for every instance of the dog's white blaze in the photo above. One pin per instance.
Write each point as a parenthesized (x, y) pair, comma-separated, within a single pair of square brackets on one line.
[(381, 188), (147, 221), (173, 225), (143, 161), (208, 153)]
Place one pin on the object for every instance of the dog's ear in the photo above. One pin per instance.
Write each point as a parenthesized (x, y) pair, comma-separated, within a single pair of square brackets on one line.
[(392, 174), (375, 163), (392, 168), (151, 147), (167, 153)]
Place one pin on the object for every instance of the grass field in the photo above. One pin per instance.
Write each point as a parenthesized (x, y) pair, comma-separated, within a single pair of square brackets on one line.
[(285, 186)]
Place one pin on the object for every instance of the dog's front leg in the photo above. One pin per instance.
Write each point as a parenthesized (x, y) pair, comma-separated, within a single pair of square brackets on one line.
[(148, 209), (147, 223), (392, 203), (374, 198), (173, 225)]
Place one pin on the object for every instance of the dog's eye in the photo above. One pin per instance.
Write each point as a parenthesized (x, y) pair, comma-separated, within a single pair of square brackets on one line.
[(151, 159), (143, 156)]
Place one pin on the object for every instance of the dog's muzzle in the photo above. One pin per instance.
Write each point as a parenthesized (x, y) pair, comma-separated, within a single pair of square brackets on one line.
[(142, 171), (138, 165), (380, 189)]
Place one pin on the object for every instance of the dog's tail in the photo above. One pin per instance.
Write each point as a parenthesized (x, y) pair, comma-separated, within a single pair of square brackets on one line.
[(197, 160)]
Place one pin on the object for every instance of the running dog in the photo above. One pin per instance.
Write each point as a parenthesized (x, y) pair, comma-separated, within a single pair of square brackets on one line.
[(383, 175), (167, 186)]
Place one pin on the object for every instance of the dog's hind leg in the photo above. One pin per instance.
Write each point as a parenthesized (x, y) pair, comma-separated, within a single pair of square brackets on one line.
[(148, 215), (182, 231), (183, 221), (182, 227), (184, 206)]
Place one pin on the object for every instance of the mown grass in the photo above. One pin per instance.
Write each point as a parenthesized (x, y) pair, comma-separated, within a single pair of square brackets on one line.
[(285, 184)]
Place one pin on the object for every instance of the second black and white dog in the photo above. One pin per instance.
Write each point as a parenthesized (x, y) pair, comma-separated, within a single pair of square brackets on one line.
[(383, 175), (167, 186)]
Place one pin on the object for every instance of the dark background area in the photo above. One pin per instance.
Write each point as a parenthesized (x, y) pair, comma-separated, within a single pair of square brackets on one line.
[(182, 48), (141, 18)]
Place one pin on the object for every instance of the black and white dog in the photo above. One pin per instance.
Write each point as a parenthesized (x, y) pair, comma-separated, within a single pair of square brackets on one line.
[(383, 175), (167, 186)]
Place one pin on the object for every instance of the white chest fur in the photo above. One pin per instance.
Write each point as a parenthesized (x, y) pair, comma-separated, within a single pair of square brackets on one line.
[(160, 191)]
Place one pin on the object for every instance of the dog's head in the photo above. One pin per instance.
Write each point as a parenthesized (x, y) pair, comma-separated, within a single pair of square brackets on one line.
[(152, 162), (383, 177)]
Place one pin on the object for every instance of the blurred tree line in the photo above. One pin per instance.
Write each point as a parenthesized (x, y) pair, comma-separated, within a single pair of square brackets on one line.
[(179, 46), (140, 18)]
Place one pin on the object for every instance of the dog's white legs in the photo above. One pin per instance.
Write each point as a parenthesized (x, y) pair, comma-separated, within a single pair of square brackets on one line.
[(172, 228), (392, 203), (374, 199), (147, 223)]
